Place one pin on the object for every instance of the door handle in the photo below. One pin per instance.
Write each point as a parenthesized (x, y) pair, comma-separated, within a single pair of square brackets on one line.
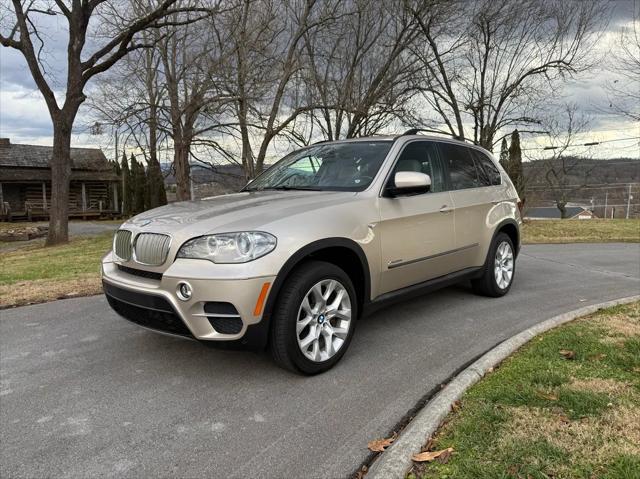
[(446, 209)]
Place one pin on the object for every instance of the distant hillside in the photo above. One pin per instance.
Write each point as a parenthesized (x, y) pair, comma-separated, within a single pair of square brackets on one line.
[(588, 171), (593, 183), (597, 180)]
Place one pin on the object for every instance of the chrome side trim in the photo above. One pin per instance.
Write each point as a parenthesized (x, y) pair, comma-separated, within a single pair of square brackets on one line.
[(397, 263), (217, 315)]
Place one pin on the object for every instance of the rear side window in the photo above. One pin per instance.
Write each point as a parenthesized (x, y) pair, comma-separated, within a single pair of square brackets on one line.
[(463, 173), (488, 168)]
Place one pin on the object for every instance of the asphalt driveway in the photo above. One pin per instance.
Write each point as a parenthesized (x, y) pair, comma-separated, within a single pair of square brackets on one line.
[(84, 393)]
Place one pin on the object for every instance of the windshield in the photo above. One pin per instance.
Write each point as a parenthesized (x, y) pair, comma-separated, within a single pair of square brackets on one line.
[(349, 166)]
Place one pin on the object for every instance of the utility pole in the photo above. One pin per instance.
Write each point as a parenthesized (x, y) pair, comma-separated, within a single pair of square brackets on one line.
[(629, 197), (606, 198)]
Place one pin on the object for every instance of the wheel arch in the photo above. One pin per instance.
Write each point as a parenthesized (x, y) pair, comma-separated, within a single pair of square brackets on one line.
[(510, 227), (343, 252)]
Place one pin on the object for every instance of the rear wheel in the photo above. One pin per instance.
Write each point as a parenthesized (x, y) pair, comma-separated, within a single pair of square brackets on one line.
[(499, 269), (314, 318)]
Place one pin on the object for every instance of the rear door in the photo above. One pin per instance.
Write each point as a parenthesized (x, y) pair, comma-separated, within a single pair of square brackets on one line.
[(473, 195), (416, 231)]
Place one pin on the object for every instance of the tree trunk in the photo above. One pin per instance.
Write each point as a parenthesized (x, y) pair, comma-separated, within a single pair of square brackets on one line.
[(60, 178), (262, 153), (181, 163), (563, 209), (486, 139), (157, 194), (247, 153)]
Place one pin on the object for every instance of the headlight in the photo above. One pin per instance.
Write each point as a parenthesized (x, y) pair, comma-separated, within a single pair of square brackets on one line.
[(229, 247)]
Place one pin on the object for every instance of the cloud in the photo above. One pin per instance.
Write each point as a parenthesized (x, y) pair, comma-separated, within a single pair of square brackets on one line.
[(23, 115), (621, 13), (25, 118)]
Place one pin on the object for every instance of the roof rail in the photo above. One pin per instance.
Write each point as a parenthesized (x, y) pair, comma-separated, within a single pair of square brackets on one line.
[(415, 131)]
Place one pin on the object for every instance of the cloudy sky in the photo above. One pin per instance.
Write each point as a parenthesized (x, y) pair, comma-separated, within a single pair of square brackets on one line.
[(24, 117)]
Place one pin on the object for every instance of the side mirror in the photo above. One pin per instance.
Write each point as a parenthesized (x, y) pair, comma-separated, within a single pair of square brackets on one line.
[(409, 183)]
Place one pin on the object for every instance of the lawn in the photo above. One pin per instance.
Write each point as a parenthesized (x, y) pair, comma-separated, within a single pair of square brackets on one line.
[(564, 406), (35, 273), (581, 231), (31, 273)]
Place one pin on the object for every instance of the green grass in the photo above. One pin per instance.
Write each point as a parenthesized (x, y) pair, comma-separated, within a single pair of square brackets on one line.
[(80, 256), (581, 231), (540, 415), (46, 273)]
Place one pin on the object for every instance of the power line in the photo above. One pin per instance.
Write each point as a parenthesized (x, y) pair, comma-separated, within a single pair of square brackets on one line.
[(580, 187), (590, 143), (614, 129), (532, 164)]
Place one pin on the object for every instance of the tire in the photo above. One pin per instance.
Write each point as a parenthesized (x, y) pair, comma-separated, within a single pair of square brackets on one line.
[(487, 284), (291, 314)]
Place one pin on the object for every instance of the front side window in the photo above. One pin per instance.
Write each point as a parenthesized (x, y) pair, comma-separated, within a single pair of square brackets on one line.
[(349, 166), (422, 156), (463, 173)]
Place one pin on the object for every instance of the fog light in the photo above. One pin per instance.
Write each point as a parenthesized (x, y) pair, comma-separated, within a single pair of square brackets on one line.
[(184, 291)]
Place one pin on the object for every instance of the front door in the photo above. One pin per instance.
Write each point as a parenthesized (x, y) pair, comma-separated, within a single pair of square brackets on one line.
[(416, 231)]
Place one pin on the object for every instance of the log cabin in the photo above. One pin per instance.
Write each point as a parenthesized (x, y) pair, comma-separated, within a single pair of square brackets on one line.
[(25, 183)]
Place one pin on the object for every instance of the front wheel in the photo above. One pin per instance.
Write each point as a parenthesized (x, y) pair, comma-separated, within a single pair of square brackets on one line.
[(314, 318), (499, 269)]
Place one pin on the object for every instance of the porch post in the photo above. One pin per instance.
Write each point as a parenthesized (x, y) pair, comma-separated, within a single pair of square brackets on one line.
[(44, 196), (84, 197), (114, 187)]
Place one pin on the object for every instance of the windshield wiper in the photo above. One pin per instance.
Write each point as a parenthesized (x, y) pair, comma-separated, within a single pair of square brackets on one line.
[(289, 188)]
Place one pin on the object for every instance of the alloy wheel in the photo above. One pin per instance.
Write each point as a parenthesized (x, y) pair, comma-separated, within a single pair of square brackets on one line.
[(503, 265), (324, 320)]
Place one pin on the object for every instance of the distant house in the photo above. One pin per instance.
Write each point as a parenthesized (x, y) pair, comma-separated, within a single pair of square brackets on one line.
[(553, 213), (25, 182)]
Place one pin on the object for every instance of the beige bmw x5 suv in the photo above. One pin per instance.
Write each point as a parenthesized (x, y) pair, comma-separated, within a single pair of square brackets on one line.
[(326, 235)]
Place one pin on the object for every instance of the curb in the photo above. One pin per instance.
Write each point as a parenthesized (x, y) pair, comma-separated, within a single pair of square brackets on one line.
[(396, 460)]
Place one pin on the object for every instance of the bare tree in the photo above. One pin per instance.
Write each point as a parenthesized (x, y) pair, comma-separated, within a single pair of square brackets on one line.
[(564, 174), (624, 93), (250, 70), (359, 68), (196, 101), (489, 66), (128, 99), (265, 74), (112, 44)]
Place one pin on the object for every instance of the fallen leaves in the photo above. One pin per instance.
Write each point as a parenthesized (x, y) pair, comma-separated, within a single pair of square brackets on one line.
[(429, 456), (567, 354), (362, 472), (379, 445), (597, 357), (547, 396)]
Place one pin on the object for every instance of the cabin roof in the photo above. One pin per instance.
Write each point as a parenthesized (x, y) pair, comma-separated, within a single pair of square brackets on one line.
[(37, 156)]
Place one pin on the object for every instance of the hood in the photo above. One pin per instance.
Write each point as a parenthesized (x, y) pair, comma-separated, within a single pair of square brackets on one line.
[(235, 212)]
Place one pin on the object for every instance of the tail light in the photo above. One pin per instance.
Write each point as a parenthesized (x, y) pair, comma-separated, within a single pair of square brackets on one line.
[(520, 205)]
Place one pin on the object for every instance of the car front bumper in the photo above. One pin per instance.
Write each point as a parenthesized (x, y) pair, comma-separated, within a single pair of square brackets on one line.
[(219, 310)]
